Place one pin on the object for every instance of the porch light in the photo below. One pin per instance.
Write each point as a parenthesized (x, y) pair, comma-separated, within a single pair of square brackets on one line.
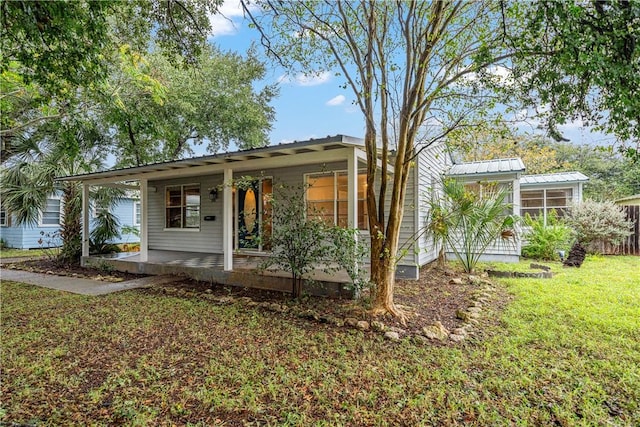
[(213, 195)]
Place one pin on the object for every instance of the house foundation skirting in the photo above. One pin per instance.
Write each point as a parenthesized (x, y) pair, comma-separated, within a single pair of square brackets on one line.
[(242, 278)]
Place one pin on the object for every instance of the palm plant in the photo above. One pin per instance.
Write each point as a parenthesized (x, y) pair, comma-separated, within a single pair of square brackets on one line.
[(467, 223), (28, 177)]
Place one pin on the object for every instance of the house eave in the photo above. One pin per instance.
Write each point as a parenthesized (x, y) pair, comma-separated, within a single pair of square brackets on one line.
[(309, 151)]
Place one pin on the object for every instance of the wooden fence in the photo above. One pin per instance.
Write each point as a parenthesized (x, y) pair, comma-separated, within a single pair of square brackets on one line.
[(631, 245)]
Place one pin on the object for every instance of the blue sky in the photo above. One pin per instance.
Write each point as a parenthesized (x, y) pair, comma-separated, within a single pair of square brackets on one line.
[(314, 107)]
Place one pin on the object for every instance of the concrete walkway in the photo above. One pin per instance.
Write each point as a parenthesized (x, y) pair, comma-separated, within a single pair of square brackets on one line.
[(82, 286)]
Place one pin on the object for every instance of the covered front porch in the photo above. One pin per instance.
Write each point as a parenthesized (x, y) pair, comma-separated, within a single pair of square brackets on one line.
[(210, 268)]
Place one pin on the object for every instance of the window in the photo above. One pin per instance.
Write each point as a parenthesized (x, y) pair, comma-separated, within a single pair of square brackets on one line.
[(488, 189), (4, 218), (137, 212), (541, 202), (327, 197), (183, 206), (51, 213)]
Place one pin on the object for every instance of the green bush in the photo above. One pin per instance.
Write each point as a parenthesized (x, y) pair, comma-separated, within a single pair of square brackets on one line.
[(599, 224), (544, 242)]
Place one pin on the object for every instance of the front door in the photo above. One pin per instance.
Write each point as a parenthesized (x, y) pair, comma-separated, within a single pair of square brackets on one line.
[(249, 216), (254, 215)]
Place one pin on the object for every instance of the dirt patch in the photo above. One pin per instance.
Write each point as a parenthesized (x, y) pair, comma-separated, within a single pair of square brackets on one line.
[(47, 266)]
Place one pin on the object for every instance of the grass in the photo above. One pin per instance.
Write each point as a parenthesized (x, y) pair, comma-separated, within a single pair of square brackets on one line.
[(565, 351), (18, 253)]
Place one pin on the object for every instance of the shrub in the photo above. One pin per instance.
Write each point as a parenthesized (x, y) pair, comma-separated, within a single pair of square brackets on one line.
[(303, 241), (598, 223), (106, 227), (469, 223), (544, 242)]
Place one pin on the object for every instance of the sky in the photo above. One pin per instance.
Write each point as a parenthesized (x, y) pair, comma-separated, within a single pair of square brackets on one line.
[(316, 106)]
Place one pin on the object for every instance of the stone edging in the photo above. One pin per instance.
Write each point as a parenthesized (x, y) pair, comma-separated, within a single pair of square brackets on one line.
[(434, 332)]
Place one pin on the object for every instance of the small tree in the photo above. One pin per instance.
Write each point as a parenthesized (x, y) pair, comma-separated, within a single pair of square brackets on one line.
[(298, 241), (467, 222), (598, 223), (302, 241)]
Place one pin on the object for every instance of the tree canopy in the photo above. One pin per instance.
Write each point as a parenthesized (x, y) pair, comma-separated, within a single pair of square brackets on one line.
[(67, 43), (581, 60), (144, 69), (156, 111)]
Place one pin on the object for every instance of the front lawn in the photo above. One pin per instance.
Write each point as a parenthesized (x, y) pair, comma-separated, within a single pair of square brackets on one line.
[(564, 351), (21, 253)]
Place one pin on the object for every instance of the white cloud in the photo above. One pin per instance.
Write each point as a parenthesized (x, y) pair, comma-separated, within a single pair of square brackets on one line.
[(301, 79), (335, 101), (229, 18)]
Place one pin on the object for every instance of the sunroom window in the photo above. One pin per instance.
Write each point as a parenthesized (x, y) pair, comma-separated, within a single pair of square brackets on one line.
[(541, 202)]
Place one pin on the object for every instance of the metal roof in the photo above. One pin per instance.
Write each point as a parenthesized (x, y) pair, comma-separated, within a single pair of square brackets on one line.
[(488, 167), (553, 178), (272, 151)]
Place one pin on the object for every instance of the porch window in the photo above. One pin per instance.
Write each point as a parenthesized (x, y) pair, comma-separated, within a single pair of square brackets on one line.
[(183, 206), (51, 213), (541, 202), (327, 197)]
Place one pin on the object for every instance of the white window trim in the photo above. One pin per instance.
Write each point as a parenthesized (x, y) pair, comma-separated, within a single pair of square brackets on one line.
[(135, 221), (5, 222), (181, 229), (335, 174), (40, 218), (499, 182), (545, 208)]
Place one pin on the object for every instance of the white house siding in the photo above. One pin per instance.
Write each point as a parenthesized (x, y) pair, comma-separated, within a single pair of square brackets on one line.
[(208, 238), (432, 163)]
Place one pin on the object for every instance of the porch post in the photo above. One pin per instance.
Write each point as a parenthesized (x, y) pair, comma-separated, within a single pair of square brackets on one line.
[(227, 219), (85, 219), (144, 226), (352, 193), (516, 210), (516, 196)]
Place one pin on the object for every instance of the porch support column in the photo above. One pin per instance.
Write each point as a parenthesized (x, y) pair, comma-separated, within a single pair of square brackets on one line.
[(516, 210), (144, 223), (85, 219), (227, 219), (352, 192)]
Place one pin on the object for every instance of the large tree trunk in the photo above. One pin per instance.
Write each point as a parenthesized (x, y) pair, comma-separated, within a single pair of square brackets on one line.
[(383, 260)]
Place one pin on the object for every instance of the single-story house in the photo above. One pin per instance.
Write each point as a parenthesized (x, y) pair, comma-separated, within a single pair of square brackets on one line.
[(28, 236), (533, 195), (192, 215)]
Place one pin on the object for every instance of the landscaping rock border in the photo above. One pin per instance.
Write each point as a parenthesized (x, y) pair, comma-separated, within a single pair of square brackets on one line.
[(520, 274), (435, 332)]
